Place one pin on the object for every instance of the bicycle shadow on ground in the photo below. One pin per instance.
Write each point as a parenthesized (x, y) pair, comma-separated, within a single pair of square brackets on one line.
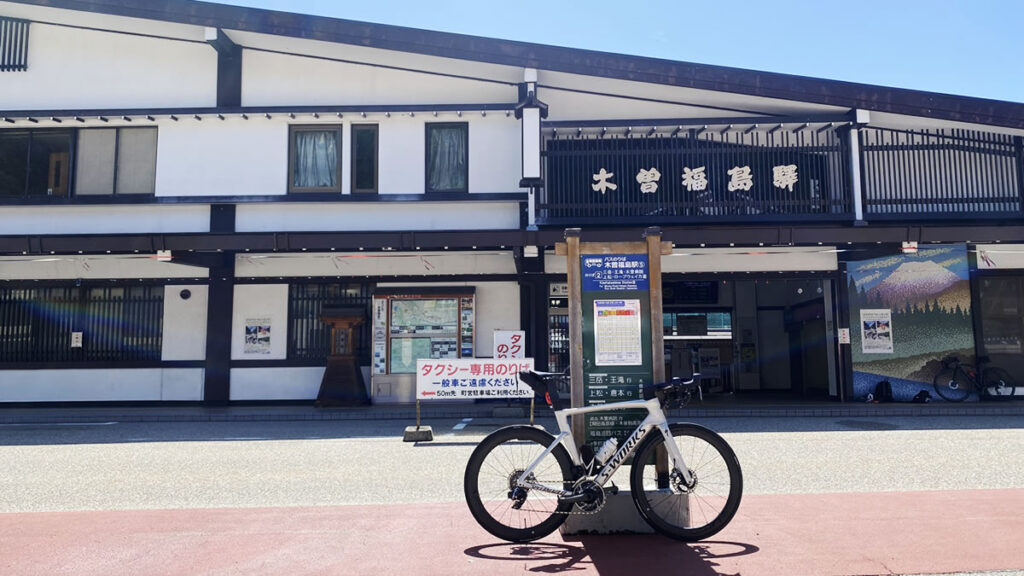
[(616, 555)]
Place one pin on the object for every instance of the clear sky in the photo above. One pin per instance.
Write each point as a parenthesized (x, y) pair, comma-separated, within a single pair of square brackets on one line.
[(961, 47)]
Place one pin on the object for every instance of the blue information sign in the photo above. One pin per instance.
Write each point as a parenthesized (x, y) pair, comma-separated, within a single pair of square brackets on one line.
[(614, 272)]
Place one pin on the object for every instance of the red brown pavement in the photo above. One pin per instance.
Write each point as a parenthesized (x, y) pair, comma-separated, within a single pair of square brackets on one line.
[(791, 534)]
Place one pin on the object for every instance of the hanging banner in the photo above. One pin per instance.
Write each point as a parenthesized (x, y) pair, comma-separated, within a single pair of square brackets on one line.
[(471, 378), (876, 331)]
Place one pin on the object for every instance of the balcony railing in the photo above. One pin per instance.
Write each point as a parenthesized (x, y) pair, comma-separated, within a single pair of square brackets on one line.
[(794, 172), (939, 173)]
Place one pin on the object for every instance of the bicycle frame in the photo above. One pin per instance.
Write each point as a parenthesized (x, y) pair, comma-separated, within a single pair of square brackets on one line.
[(655, 419)]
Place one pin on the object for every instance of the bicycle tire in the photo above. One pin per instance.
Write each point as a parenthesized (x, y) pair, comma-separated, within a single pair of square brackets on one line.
[(1000, 382), (709, 504), (493, 467), (952, 385)]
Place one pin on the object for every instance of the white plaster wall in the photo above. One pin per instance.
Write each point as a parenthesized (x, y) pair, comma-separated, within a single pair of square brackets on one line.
[(995, 256), (184, 335), (102, 267), (495, 155), (382, 264), (123, 385), (402, 157), (273, 79), (276, 383), (104, 219), (215, 157), (782, 259), (376, 216), (75, 68), (255, 301), (621, 99)]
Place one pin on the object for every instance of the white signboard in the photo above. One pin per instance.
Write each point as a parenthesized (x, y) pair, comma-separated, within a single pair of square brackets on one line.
[(509, 344), (844, 335), (710, 363), (471, 378), (617, 333), (876, 331)]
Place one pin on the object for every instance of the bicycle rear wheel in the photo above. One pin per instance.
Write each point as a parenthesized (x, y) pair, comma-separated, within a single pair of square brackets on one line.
[(951, 384), (512, 513), (695, 511), (998, 383)]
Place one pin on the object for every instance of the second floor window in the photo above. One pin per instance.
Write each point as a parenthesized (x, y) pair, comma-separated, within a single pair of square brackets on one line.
[(448, 157), (315, 159), (34, 162), (116, 161), (364, 158)]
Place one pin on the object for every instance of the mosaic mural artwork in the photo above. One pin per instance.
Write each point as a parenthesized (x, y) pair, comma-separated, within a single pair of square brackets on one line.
[(907, 312)]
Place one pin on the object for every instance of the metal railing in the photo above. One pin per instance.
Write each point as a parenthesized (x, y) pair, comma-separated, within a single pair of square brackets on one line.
[(309, 338), (116, 323), (941, 172)]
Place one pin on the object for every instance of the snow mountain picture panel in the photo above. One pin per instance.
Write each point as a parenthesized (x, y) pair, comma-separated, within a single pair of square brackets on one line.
[(928, 297)]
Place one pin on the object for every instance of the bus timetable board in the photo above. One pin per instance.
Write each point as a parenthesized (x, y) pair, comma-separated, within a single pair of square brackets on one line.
[(617, 356)]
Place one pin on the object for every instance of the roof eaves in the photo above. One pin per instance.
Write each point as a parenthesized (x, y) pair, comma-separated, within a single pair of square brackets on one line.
[(560, 59)]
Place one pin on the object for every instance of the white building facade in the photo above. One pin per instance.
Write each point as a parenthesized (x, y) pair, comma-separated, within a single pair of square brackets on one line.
[(185, 188)]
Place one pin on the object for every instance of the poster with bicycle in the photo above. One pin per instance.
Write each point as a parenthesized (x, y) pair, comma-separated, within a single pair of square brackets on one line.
[(876, 331)]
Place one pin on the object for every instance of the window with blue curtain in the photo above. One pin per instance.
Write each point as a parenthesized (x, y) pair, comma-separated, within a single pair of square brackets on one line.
[(448, 157), (315, 163)]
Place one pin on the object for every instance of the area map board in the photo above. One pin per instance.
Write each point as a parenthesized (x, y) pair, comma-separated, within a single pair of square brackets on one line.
[(614, 297)]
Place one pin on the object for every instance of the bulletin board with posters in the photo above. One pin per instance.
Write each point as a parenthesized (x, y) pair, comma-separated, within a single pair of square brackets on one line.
[(415, 324)]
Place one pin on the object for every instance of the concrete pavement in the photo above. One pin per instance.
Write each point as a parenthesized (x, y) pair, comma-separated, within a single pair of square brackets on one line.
[(824, 495)]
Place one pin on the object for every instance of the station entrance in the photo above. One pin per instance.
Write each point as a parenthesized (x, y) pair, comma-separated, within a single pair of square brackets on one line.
[(763, 338)]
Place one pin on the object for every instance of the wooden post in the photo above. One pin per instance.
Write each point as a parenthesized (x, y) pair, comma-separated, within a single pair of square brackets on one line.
[(572, 240), (654, 251)]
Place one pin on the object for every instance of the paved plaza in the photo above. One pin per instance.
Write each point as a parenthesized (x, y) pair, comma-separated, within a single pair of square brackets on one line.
[(823, 495)]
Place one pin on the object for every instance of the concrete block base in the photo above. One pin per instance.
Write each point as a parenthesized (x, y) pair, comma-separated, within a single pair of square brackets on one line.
[(418, 434), (619, 516)]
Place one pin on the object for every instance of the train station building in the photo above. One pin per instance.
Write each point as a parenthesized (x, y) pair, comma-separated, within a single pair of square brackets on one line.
[(191, 192)]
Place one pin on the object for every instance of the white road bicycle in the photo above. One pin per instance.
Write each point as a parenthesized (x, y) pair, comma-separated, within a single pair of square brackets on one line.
[(521, 483)]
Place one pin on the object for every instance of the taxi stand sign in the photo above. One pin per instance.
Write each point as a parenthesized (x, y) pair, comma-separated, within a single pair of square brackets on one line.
[(472, 378)]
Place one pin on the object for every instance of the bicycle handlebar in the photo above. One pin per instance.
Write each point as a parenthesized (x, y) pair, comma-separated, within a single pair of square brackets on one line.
[(673, 393)]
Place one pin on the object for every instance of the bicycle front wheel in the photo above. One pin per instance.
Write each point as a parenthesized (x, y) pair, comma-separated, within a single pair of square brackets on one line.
[(951, 384), (998, 383), (694, 511), (509, 512)]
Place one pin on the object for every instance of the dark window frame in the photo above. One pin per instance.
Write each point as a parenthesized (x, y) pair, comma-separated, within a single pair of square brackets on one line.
[(117, 161), (72, 136), (14, 44), (120, 322), (294, 129), (354, 155), (308, 337), (426, 155)]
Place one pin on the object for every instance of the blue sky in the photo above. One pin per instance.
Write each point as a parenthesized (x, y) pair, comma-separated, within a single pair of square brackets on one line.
[(955, 47)]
